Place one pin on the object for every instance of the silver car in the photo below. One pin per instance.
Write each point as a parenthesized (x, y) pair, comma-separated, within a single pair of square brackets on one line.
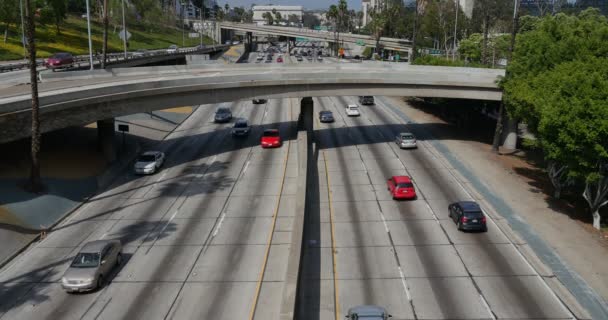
[(406, 140), (367, 312), (241, 128), (149, 162), (91, 266)]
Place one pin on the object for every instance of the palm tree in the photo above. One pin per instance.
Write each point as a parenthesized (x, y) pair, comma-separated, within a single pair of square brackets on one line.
[(35, 184), (332, 15)]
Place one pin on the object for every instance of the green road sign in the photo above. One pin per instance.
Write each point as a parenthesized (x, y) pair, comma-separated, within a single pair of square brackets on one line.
[(360, 42), (321, 28), (302, 39)]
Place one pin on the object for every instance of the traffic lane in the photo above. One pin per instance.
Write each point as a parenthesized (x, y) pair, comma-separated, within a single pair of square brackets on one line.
[(128, 232), (419, 244), (231, 262), (365, 260), (196, 232), (502, 260), (47, 261)]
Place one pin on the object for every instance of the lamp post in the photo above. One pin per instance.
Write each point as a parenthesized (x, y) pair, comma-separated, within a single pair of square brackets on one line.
[(22, 30), (201, 18), (124, 29), (89, 31), (455, 30)]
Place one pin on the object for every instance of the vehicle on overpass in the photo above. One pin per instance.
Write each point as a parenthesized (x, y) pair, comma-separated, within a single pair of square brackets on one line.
[(149, 162), (299, 57), (280, 59), (320, 58), (406, 140), (241, 128), (222, 115), (141, 53), (59, 60), (366, 100), (368, 312), (401, 188), (259, 101), (352, 110), (173, 49), (91, 266), (468, 216), (271, 139), (326, 116)]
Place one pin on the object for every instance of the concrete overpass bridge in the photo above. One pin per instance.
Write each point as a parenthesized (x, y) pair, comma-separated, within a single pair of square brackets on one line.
[(319, 35), (82, 97)]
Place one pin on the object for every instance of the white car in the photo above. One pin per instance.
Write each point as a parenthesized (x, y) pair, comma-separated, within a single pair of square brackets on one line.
[(172, 49), (149, 162), (406, 140), (352, 110)]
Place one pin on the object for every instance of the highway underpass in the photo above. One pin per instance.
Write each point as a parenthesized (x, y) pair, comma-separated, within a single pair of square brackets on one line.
[(208, 237)]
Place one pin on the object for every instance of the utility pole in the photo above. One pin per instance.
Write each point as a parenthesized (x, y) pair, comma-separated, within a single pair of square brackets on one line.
[(22, 30), (202, 14), (89, 30), (455, 30), (124, 29), (105, 34)]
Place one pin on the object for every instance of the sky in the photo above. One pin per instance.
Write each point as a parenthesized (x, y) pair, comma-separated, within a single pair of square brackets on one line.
[(308, 4)]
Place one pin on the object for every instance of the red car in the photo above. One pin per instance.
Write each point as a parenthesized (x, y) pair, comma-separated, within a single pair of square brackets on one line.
[(271, 139), (58, 60), (401, 187), (280, 59)]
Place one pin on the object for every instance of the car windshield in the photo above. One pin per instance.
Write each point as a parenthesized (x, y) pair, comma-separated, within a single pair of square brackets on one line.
[(271, 134), (405, 185), (146, 158), (474, 214), (60, 56), (240, 125), (85, 260), (223, 111)]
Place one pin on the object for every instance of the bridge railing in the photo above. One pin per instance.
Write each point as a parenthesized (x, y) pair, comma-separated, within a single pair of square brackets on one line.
[(115, 58)]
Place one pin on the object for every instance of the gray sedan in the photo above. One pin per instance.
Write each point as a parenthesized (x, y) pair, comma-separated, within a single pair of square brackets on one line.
[(368, 312), (406, 140), (91, 266)]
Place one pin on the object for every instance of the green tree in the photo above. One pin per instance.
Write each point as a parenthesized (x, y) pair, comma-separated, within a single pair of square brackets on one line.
[(293, 20), (278, 18), (9, 14), (269, 18), (558, 84), (487, 14), (310, 20)]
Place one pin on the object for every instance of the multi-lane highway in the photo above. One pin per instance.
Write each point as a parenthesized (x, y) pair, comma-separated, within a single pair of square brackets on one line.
[(208, 236), (205, 238)]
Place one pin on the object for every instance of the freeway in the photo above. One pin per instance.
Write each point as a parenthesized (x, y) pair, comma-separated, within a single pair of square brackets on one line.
[(365, 248), (207, 237), (198, 235)]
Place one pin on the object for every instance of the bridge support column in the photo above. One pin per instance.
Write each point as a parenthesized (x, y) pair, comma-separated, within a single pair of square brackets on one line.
[(509, 133), (306, 115), (106, 139)]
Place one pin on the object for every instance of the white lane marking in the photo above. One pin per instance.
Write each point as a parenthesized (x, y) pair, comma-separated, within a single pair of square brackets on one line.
[(405, 288), (246, 166), (167, 224), (219, 225), (162, 176)]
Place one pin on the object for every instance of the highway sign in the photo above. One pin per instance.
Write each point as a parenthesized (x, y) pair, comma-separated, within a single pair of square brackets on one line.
[(360, 42)]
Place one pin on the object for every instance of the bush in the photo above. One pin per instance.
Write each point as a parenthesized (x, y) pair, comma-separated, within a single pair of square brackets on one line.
[(428, 60)]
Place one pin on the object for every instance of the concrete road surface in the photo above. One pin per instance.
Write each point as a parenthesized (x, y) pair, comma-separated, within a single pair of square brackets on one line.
[(362, 247), (198, 235)]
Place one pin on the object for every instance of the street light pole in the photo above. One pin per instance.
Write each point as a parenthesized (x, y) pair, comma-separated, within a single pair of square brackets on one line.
[(124, 29), (89, 30), (22, 30), (455, 30)]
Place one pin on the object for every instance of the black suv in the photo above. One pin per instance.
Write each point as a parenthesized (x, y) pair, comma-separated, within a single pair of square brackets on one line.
[(468, 216), (223, 115), (366, 100)]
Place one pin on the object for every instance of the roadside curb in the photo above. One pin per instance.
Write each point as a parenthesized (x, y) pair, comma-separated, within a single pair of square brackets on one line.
[(572, 290)]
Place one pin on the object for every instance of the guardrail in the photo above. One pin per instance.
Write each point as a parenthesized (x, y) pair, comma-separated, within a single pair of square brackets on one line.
[(114, 58)]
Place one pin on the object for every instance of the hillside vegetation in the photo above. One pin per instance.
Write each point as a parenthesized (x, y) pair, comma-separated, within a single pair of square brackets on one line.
[(73, 38)]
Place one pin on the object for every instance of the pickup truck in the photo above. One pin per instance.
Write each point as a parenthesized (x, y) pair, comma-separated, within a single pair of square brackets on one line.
[(352, 110)]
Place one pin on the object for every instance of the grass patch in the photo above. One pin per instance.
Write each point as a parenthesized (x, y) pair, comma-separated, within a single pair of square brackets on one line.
[(73, 38)]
